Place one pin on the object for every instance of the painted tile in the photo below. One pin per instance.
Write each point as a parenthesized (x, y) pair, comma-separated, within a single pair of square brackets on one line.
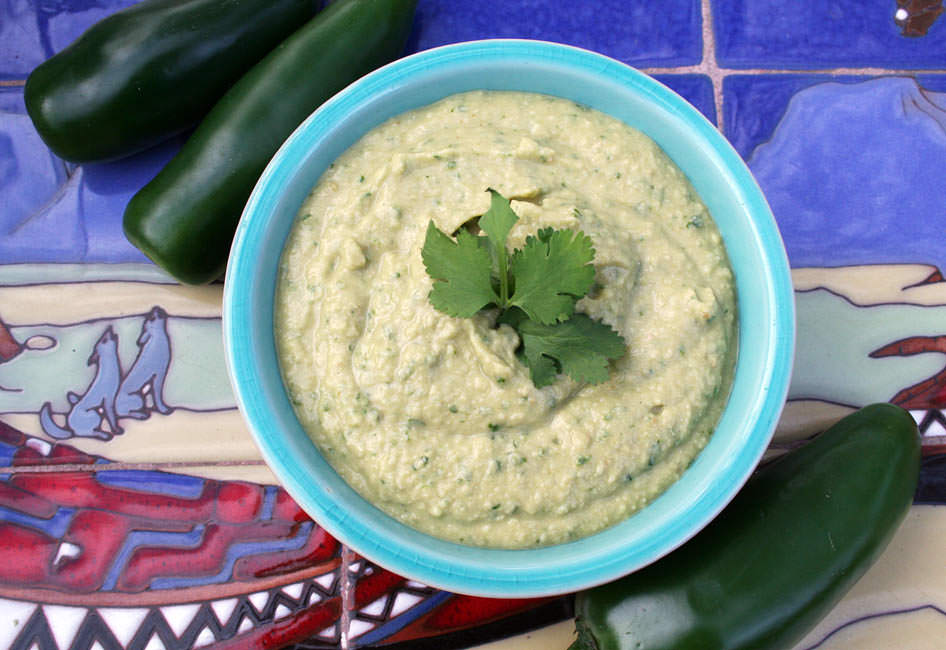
[(149, 351), (695, 88), (31, 32), (121, 557), (213, 554), (399, 613), (892, 127), (913, 618), (58, 212), (824, 35), (641, 34)]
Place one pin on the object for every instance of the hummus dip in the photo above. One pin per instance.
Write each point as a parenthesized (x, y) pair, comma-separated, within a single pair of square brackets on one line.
[(433, 418)]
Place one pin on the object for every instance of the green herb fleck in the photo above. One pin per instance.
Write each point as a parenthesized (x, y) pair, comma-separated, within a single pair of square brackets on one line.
[(583, 459)]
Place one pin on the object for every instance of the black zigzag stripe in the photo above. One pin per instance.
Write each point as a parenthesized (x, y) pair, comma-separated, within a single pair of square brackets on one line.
[(932, 415), (92, 630), (35, 631), (154, 625)]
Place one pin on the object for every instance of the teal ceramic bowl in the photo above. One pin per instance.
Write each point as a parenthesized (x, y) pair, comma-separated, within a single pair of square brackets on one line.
[(766, 316)]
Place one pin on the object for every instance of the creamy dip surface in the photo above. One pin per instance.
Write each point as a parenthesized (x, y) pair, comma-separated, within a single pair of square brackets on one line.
[(433, 418)]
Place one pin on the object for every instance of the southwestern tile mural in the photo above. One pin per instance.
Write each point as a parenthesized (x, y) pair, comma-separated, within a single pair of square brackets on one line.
[(135, 510)]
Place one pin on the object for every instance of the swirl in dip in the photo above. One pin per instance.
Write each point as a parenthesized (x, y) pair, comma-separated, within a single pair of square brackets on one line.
[(433, 418)]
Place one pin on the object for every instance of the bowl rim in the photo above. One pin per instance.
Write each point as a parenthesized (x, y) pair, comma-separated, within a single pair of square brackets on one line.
[(545, 571)]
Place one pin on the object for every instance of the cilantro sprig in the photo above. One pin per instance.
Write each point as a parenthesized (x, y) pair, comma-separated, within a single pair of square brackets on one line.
[(536, 288)]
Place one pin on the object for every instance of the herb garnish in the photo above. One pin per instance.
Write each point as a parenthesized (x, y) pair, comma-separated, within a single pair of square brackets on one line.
[(536, 288)]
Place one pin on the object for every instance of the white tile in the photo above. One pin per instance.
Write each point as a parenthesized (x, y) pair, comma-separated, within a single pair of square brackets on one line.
[(64, 623), (356, 628), (223, 609), (155, 643), (328, 633), (179, 617), (375, 608), (294, 591), (259, 600), (326, 581), (245, 625), (206, 637), (935, 429), (123, 622), (281, 612), (403, 602)]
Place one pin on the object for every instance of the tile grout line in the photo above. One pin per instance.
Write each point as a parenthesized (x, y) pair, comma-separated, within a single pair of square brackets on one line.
[(348, 599), (709, 62), (112, 466)]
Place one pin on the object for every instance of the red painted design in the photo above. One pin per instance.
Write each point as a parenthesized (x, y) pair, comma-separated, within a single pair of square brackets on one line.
[(929, 393), (319, 548), (287, 509), (9, 347), (85, 492), (100, 536), (206, 559), (28, 555), (371, 587), (26, 502), (239, 503), (298, 628), (920, 16)]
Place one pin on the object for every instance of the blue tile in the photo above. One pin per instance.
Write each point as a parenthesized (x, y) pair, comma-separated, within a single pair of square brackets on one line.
[(695, 88), (54, 212), (11, 100), (819, 35), (638, 33), (754, 104), (850, 169), (31, 32)]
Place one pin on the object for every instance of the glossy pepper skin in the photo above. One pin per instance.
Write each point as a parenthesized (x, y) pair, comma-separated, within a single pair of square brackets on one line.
[(185, 218), (797, 536), (150, 71)]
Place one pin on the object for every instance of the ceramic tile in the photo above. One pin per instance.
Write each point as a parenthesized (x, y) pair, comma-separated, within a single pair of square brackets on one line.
[(892, 126), (31, 32), (391, 610), (150, 351), (638, 33), (173, 534), (827, 34), (135, 554), (695, 88)]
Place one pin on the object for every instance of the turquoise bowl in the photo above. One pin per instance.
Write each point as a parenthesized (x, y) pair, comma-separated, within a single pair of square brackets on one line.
[(766, 316)]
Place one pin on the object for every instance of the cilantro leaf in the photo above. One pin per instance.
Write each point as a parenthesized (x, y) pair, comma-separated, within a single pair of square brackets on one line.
[(462, 272), (496, 223), (552, 271), (546, 277), (580, 347), (498, 220)]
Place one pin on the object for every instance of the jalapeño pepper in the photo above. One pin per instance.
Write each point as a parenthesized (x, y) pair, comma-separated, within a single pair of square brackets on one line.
[(779, 557), (150, 71), (185, 218)]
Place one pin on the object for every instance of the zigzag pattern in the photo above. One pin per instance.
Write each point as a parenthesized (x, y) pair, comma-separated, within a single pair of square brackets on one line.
[(178, 627)]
